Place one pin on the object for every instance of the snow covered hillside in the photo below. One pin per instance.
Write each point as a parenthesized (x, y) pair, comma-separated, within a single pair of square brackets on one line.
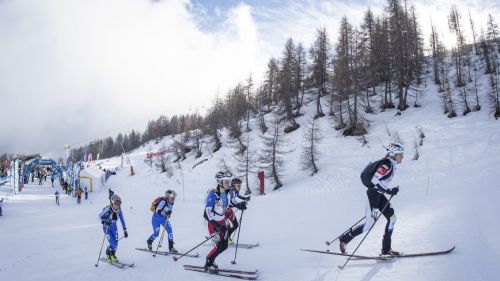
[(448, 197)]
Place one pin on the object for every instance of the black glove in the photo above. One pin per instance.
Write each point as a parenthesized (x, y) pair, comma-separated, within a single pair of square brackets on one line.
[(392, 191), (168, 213), (105, 222), (125, 233), (218, 227), (215, 225), (242, 205)]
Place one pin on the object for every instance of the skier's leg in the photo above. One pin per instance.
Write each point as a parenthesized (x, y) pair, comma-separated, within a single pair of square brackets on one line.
[(220, 241), (234, 225), (170, 234), (156, 222), (391, 220)]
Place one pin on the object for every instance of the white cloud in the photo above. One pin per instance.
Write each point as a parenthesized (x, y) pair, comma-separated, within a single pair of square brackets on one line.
[(100, 65)]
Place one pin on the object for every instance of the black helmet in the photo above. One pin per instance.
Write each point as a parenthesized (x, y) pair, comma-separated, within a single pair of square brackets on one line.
[(236, 181)]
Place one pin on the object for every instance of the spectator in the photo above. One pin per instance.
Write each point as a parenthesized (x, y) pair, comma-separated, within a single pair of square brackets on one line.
[(1, 201), (86, 193), (57, 197), (78, 195)]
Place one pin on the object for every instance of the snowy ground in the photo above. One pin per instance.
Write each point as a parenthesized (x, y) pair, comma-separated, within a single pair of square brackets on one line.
[(448, 197)]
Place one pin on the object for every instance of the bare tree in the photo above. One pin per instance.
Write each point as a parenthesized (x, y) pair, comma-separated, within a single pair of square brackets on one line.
[(163, 162), (310, 152), (287, 84), (454, 23), (320, 57), (271, 156), (246, 163)]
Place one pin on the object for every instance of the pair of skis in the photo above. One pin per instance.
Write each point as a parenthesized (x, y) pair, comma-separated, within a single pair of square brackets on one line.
[(384, 257), (118, 264), (233, 273), (240, 245), (165, 253)]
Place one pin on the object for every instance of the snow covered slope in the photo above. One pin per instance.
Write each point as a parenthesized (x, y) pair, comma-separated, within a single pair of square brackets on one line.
[(448, 197)]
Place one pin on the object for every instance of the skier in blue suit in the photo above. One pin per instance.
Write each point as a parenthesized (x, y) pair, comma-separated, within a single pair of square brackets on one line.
[(163, 210), (109, 216)]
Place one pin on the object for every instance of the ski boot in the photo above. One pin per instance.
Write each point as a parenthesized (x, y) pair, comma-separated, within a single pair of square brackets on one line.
[(211, 267), (343, 247), (108, 256), (113, 256), (390, 252), (150, 244), (171, 248)]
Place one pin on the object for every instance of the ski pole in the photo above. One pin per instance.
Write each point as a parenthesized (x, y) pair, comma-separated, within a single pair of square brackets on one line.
[(238, 239), (330, 242), (159, 243), (368, 232), (102, 245), (176, 258)]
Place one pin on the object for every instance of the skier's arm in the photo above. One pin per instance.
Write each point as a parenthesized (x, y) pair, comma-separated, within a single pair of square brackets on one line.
[(209, 206), (104, 215), (160, 206), (122, 221), (235, 198)]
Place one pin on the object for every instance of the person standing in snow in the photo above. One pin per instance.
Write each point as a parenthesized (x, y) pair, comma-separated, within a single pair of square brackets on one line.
[(215, 208), (376, 177), (163, 210), (1, 201), (235, 201), (52, 178), (109, 216), (57, 197), (78, 195), (86, 193)]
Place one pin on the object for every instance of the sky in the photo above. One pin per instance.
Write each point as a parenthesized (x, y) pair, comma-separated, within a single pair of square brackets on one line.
[(73, 71)]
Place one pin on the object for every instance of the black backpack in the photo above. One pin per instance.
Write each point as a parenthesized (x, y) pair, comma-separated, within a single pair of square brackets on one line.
[(369, 171)]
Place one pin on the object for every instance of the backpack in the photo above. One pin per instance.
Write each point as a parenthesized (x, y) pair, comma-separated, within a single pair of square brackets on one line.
[(368, 172), (155, 203)]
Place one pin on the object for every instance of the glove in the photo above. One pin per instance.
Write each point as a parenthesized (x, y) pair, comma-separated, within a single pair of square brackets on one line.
[(218, 227), (168, 213), (242, 205), (125, 233), (215, 225), (375, 214), (105, 222), (392, 191)]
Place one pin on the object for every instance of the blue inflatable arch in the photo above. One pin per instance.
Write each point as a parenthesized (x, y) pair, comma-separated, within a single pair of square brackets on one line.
[(43, 162)]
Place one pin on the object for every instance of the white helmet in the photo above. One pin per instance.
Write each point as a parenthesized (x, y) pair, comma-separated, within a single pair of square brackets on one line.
[(222, 176), (116, 199), (394, 149)]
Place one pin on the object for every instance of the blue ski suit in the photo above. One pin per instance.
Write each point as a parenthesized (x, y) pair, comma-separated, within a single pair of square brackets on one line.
[(109, 217), (160, 217)]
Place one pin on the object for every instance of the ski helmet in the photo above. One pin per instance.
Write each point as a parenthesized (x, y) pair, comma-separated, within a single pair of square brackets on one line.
[(394, 149), (222, 176), (170, 194), (235, 181), (115, 199)]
